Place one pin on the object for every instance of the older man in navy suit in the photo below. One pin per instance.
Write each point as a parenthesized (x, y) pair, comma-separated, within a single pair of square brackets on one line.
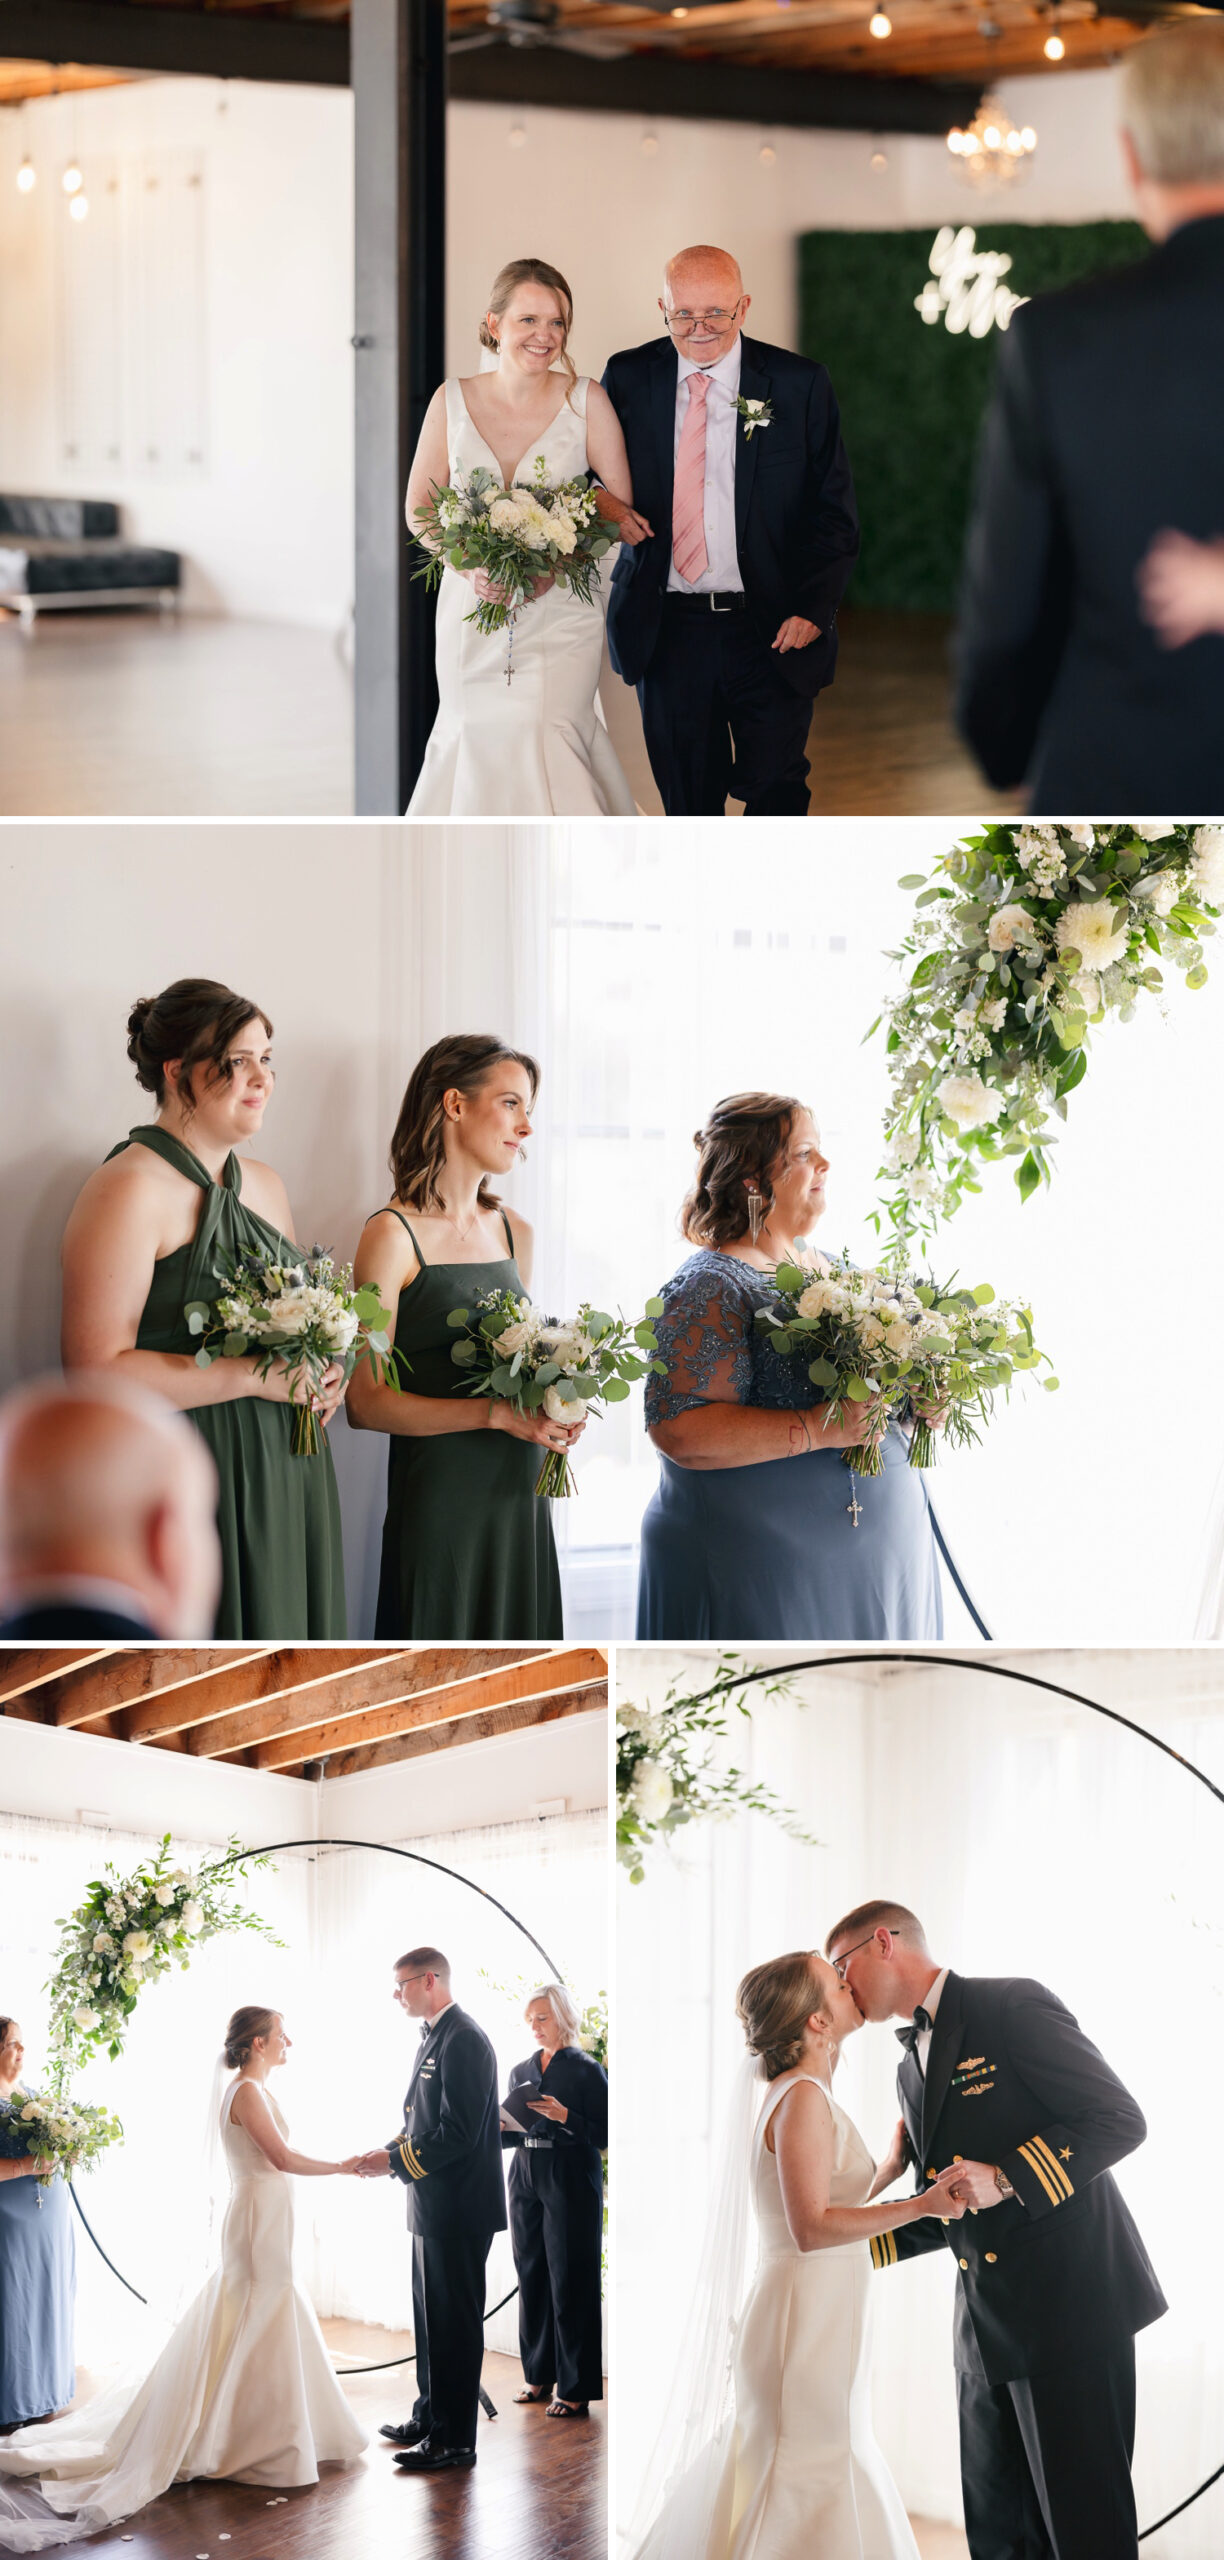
[(726, 619)]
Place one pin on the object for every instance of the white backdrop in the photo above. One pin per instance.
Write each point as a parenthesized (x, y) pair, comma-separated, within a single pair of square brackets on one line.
[(1034, 1838), (344, 1917), (652, 969)]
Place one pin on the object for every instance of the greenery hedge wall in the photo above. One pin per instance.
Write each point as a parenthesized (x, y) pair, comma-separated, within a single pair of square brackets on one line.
[(913, 396)]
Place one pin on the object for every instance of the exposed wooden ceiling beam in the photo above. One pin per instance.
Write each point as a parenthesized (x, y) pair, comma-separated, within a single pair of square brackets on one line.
[(652, 84), (484, 1728), (32, 1666), (568, 1668), (127, 1675), (360, 1683), (221, 44), (205, 1704)]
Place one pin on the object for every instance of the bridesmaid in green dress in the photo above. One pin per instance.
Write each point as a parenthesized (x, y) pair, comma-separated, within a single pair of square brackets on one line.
[(467, 1545), (141, 1244)]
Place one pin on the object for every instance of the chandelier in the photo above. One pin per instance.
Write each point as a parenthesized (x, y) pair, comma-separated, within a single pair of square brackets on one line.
[(992, 151)]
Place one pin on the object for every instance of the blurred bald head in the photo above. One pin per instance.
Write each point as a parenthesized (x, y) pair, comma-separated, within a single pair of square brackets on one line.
[(102, 1482), (703, 303), (1172, 101)]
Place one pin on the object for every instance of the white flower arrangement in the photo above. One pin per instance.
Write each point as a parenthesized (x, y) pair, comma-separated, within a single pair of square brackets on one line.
[(101, 1970), (1023, 937), (60, 2134), (671, 1766), (306, 1313), (536, 528), (755, 413), (513, 1350)]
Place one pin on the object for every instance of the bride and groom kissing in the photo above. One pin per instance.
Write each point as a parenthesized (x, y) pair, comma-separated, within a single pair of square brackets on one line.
[(719, 460), (1010, 2123)]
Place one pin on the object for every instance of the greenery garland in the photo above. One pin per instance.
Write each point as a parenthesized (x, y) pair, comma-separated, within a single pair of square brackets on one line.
[(1023, 938), (128, 1931), (668, 1772)]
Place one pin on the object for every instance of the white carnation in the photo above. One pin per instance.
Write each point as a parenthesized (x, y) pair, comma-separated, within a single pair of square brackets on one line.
[(968, 1101), (506, 515), (651, 1791), (1091, 928), (1207, 846), (1010, 927)]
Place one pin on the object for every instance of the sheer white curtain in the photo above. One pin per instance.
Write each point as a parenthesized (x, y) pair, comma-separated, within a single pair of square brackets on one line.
[(1034, 1838), (551, 1874)]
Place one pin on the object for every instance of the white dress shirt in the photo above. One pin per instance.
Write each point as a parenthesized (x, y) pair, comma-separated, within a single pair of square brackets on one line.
[(930, 2002), (721, 575)]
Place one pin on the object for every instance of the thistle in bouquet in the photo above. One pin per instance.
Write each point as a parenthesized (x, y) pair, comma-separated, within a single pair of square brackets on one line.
[(129, 1931), (891, 1341), (61, 2134), (512, 1350), (537, 529), (304, 1312)]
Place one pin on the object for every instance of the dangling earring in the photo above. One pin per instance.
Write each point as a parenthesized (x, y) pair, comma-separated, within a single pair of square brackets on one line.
[(756, 1214)]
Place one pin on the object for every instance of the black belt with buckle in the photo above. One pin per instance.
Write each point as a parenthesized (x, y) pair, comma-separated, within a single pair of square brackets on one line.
[(538, 2142), (726, 600)]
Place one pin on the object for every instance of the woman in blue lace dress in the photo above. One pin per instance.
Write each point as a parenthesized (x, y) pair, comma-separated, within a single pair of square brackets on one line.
[(758, 1528), (37, 2266)]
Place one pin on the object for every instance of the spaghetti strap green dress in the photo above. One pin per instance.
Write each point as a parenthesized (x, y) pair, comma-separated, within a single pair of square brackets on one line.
[(467, 1544), (278, 1516)]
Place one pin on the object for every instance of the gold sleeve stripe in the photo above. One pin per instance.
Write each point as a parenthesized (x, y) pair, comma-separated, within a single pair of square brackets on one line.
[(409, 2164), (419, 2169), (883, 2250), (1056, 2165), (1041, 2173), (874, 2245)]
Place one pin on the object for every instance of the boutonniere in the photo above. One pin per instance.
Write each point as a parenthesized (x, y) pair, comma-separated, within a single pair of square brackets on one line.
[(755, 413)]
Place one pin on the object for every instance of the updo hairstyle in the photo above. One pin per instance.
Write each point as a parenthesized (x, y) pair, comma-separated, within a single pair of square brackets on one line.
[(418, 1148), (506, 285), (240, 2035), (193, 1020), (736, 1151), (773, 2005)]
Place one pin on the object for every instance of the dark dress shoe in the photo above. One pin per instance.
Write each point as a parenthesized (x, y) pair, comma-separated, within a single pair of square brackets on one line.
[(437, 2457), (408, 2433)]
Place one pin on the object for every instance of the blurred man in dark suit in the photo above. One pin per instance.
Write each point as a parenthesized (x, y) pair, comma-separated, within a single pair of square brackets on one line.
[(107, 1515), (1104, 435)]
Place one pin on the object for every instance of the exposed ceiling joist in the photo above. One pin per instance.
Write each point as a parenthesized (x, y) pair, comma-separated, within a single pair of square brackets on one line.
[(709, 91), (110, 1685), (366, 1683), (29, 1667), (485, 1728), (201, 43), (571, 1667)]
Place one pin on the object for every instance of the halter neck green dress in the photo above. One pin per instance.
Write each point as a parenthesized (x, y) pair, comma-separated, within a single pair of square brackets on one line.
[(278, 1516), (467, 1544)]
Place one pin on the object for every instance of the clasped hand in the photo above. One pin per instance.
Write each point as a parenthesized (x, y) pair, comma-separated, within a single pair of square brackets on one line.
[(367, 2164), (975, 2183)]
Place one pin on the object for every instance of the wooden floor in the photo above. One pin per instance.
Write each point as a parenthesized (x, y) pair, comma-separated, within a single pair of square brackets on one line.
[(537, 2492), (124, 715)]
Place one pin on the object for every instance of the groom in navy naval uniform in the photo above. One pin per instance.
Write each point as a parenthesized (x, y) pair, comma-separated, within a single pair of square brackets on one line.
[(1054, 2280), (449, 2158), (726, 619)]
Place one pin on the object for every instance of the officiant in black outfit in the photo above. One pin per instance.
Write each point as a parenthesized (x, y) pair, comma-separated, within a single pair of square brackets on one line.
[(726, 619), (448, 2156), (1053, 2278), (1104, 435), (557, 2104)]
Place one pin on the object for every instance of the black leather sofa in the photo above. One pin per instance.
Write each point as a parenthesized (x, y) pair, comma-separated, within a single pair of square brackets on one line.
[(69, 552)]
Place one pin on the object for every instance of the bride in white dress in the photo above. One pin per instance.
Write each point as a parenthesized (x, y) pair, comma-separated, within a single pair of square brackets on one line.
[(536, 747), (795, 2471), (243, 2390)]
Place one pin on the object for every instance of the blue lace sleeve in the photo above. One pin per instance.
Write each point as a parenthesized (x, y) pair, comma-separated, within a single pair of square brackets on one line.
[(705, 1338)]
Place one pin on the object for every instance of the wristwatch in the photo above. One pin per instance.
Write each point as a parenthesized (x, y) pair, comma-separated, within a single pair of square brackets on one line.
[(1003, 2184)]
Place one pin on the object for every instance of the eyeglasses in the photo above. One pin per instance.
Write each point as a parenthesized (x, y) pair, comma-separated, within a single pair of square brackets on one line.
[(839, 1963), (689, 319), (409, 1977)]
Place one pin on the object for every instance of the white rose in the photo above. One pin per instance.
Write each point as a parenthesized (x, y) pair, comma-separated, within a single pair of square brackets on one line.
[(651, 1791), (29, 2114), (288, 1315), (1083, 835), (191, 1918), (968, 1101), (1091, 928), (1207, 845), (1153, 830), (102, 1944), (816, 1298), (899, 1337), (85, 2019), (136, 1944), (506, 514), (339, 1329), (1010, 927), (515, 1338), (164, 1895), (560, 1408), (1160, 893)]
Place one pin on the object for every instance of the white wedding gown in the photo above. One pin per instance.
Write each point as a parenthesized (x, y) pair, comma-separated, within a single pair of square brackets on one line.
[(243, 2390), (536, 747), (801, 2474)]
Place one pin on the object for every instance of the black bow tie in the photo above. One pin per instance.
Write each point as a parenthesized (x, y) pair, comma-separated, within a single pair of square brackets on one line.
[(920, 2025)]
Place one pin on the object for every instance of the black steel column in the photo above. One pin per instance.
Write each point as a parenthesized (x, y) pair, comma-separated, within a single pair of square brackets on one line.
[(399, 93)]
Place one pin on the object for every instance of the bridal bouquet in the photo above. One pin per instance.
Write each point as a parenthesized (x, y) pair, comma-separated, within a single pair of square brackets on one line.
[(536, 529), (306, 1313), (127, 1932), (516, 1352), (887, 1340), (65, 2135)]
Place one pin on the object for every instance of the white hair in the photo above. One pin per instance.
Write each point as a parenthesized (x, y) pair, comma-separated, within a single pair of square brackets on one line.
[(564, 2012), (1173, 103)]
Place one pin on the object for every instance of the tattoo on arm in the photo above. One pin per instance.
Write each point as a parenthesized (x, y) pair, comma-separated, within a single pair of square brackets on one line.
[(799, 1437)]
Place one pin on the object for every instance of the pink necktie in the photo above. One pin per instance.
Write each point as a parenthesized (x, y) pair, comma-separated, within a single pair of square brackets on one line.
[(688, 498)]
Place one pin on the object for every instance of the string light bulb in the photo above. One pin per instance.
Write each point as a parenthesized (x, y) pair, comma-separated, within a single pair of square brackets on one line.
[(27, 177), (880, 25), (78, 207), (73, 179), (517, 136), (1054, 48), (768, 154)]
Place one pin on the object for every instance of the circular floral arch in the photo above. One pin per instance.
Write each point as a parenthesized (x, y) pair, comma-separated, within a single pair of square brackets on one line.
[(769, 1675)]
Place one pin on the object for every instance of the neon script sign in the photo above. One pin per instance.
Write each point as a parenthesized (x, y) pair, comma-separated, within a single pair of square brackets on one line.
[(965, 288)]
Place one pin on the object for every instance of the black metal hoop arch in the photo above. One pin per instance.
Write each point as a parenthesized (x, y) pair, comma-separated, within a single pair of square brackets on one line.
[(1031, 1680), (387, 1850)]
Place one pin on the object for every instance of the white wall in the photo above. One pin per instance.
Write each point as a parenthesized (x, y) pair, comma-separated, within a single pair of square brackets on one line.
[(255, 366)]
